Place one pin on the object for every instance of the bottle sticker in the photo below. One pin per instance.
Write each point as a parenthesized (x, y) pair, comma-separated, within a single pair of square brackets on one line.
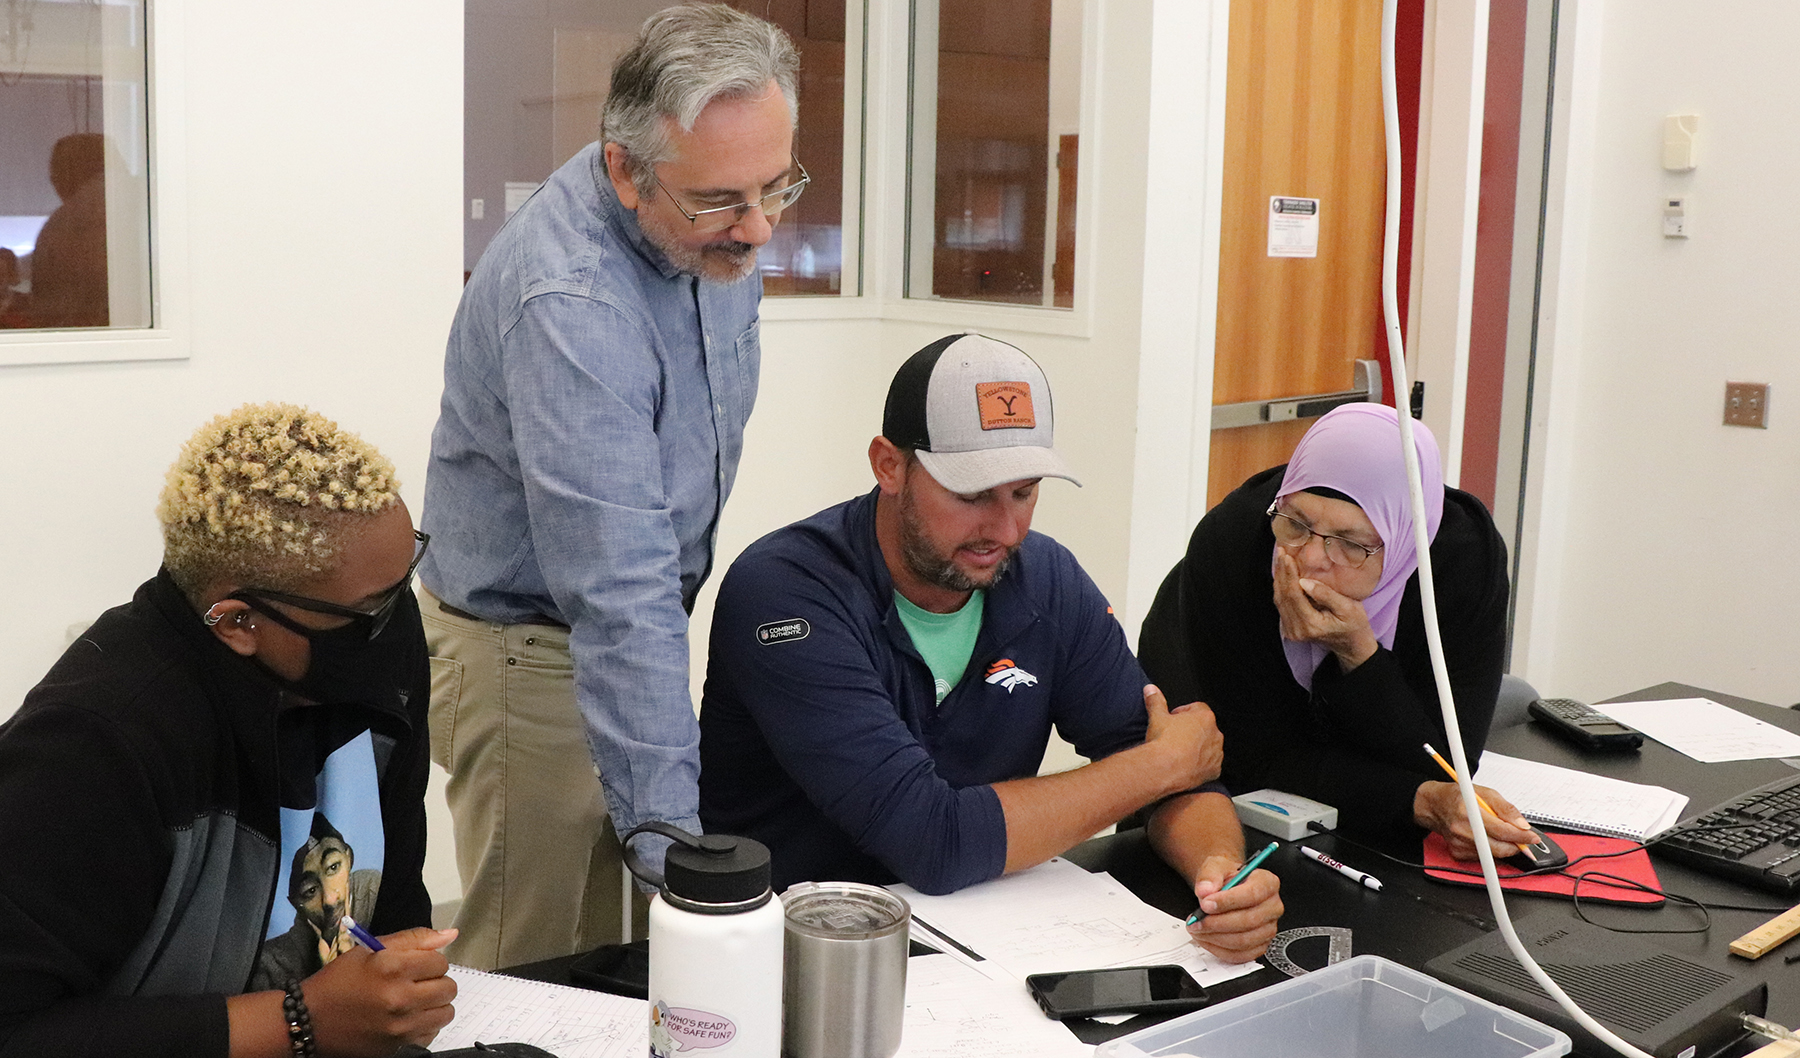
[(677, 1030)]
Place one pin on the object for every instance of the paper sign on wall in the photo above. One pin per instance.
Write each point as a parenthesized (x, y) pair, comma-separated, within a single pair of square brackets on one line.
[(1293, 226)]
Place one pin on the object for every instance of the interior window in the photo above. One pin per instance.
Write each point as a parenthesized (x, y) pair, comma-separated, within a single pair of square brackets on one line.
[(74, 178), (535, 78), (996, 115)]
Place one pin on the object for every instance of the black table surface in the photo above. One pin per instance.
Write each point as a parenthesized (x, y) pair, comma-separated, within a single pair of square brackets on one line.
[(1413, 919)]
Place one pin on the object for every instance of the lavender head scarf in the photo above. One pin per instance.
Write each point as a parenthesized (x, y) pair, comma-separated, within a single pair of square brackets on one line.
[(1355, 449)]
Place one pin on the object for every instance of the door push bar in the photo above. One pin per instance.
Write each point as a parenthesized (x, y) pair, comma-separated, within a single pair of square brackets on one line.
[(1367, 379)]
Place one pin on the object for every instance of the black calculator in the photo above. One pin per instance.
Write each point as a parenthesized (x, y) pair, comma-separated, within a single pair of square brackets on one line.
[(1584, 725)]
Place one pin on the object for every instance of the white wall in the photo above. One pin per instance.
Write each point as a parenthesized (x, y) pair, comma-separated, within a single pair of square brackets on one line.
[(323, 186), (323, 182), (1662, 537)]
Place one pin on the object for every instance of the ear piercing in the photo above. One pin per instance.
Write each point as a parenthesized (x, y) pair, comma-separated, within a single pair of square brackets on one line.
[(213, 616)]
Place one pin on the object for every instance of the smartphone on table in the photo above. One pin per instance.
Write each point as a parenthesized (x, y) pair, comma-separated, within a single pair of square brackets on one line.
[(1165, 989)]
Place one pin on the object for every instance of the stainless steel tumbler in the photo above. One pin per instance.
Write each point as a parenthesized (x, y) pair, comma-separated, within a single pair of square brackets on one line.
[(844, 987)]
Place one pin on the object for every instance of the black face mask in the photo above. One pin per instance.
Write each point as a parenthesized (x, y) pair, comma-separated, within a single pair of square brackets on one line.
[(346, 666)]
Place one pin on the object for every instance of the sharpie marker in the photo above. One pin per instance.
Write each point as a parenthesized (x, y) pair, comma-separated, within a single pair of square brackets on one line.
[(368, 939), (1243, 873), (1349, 872)]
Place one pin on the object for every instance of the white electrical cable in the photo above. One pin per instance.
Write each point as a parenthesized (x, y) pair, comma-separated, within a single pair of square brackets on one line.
[(1390, 305)]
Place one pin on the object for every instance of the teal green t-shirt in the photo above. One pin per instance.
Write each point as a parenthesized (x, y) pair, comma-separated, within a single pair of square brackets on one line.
[(944, 640)]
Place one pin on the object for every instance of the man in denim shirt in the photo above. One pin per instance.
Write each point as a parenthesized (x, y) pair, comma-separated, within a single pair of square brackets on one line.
[(600, 371)]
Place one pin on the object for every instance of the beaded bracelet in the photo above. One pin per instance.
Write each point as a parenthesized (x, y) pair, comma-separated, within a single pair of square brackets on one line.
[(299, 1022)]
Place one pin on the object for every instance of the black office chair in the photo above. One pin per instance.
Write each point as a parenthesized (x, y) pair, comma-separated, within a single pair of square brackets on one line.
[(1509, 709)]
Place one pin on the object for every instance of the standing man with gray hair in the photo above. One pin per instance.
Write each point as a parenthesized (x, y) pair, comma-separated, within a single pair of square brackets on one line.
[(600, 371)]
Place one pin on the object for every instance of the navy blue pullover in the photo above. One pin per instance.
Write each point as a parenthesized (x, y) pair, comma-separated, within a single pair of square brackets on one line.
[(818, 732)]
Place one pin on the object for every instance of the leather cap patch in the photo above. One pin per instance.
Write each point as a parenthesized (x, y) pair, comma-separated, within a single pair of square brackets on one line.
[(1005, 405)]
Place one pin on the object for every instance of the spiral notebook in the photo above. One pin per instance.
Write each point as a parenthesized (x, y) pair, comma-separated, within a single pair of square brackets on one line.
[(1578, 801), (567, 1022)]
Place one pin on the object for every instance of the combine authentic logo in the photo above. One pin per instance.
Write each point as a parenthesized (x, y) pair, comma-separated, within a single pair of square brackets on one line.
[(783, 631), (1004, 673)]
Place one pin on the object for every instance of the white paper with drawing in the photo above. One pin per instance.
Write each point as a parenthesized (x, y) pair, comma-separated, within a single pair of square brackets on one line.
[(567, 1022), (1705, 730), (955, 1010), (1057, 916)]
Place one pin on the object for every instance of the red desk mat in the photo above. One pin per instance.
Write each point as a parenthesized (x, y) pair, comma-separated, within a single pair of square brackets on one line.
[(1634, 866)]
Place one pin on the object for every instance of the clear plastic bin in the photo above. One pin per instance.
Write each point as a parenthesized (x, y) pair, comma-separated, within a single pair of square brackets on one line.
[(1366, 1007)]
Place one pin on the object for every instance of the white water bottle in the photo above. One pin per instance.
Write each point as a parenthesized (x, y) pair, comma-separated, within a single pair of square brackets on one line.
[(716, 938)]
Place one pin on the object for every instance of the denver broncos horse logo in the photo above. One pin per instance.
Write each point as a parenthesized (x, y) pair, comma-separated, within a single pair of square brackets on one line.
[(1004, 673)]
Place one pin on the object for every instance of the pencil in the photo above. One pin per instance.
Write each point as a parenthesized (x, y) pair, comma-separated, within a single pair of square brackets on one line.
[(1448, 770)]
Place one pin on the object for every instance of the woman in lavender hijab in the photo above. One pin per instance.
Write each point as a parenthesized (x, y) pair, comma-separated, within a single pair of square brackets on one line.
[(1295, 614)]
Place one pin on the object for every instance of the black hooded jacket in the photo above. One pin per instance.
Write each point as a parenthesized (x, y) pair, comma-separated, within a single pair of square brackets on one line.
[(141, 784)]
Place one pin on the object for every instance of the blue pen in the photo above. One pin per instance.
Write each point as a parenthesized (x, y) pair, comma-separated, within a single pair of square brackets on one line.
[(1243, 873), (368, 939)]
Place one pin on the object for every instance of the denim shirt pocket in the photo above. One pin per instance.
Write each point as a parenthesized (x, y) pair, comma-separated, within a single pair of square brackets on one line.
[(749, 367)]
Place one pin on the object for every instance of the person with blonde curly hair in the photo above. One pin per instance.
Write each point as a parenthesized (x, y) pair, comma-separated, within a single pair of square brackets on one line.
[(157, 785)]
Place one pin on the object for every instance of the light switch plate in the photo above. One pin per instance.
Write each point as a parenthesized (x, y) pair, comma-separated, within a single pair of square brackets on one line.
[(1747, 404)]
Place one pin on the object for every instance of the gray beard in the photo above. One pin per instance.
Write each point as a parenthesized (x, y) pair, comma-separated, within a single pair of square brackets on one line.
[(724, 263)]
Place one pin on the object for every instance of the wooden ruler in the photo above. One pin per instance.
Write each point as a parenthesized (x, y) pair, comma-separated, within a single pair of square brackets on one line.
[(1770, 935)]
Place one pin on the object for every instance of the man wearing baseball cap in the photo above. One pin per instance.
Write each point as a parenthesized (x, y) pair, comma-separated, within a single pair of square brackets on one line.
[(884, 675)]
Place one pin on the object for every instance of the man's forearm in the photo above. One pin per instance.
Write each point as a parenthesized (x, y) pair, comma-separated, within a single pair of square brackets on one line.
[(1185, 831), (1049, 814)]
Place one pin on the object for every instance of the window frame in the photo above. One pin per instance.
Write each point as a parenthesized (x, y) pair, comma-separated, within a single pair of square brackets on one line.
[(911, 199), (169, 335)]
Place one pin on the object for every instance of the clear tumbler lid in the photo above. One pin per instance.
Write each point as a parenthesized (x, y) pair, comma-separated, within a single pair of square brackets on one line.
[(844, 910)]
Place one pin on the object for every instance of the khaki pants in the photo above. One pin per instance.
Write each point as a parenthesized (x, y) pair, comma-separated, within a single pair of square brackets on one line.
[(537, 853)]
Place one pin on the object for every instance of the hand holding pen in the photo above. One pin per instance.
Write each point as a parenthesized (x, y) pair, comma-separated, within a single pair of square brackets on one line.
[(373, 1001), (1239, 907)]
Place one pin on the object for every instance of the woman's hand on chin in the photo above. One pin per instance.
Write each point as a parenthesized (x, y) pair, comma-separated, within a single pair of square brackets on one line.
[(1314, 612)]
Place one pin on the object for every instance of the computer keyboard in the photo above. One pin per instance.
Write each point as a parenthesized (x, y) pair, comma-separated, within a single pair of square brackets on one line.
[(1754, 838)]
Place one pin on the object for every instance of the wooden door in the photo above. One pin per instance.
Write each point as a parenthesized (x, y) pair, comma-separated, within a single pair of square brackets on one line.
[(1302, 119)]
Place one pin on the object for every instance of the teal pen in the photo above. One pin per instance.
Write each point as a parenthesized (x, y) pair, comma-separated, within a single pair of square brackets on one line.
[(1243, 873)]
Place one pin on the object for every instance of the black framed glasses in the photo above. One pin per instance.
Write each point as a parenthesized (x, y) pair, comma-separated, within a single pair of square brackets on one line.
[(720, 218), (1292, 532), (373, 620)]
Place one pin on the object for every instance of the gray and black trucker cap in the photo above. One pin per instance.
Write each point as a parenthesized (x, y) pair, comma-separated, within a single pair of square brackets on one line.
[(976, 411)]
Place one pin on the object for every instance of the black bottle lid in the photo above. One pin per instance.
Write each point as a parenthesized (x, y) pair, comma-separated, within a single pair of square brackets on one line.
[(711, 874), (722, 870)]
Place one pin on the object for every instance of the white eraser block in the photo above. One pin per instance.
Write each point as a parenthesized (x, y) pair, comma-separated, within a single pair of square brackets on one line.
[(1281, 814)]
